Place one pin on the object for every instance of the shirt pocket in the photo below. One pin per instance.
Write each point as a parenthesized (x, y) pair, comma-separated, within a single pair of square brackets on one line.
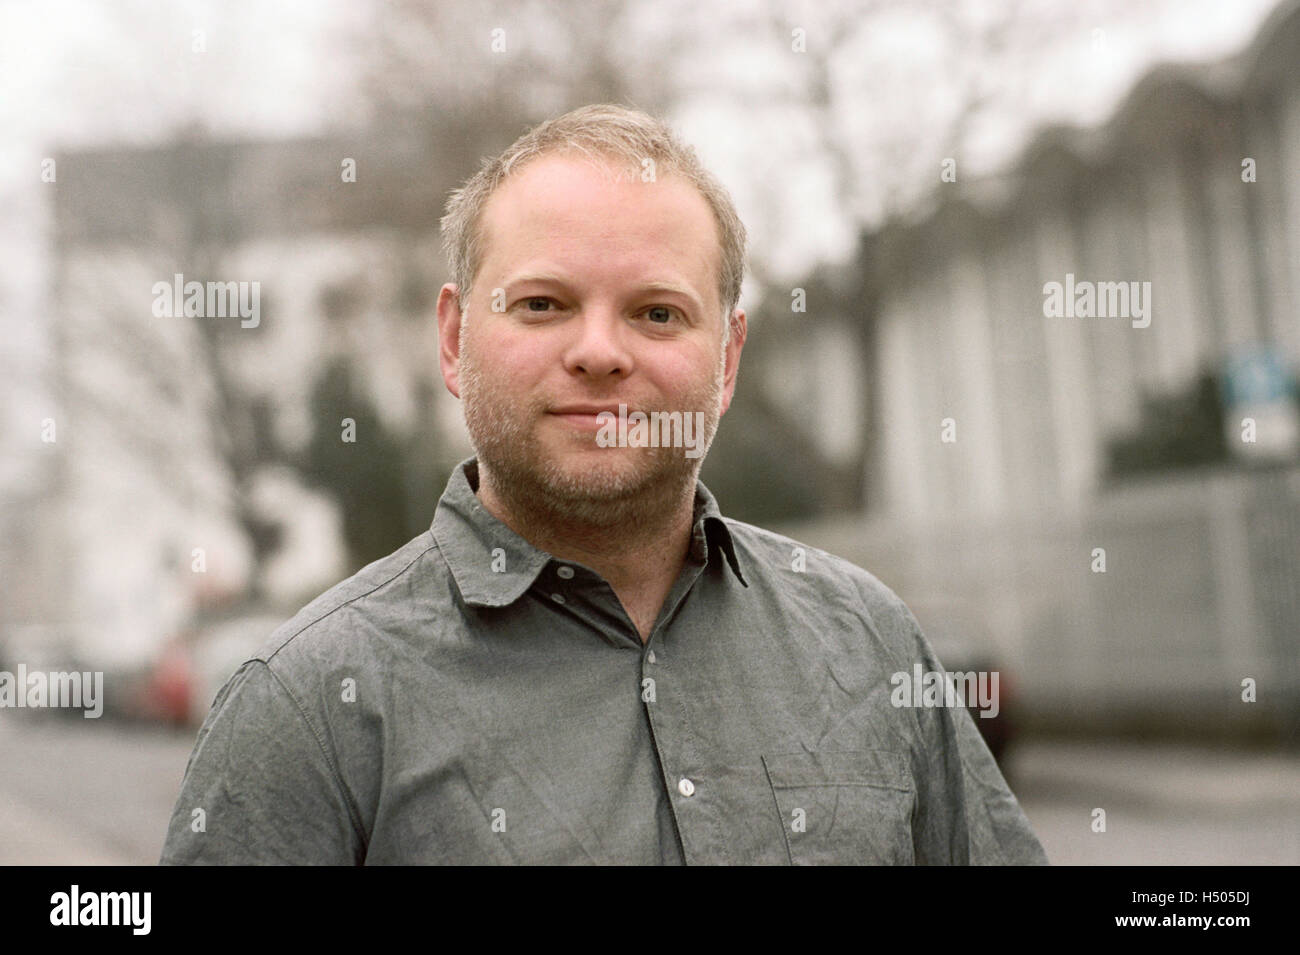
[(844, 808)]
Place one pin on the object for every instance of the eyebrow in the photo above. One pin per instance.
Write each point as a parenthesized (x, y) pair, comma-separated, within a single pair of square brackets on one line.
[(669, 287)]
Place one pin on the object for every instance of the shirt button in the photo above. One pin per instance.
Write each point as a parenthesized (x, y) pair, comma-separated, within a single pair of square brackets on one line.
[(564, 572), (685, 786), (650, 657), (558, 598)]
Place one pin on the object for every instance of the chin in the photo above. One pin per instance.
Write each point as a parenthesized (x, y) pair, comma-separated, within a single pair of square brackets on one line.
[(607, 474)]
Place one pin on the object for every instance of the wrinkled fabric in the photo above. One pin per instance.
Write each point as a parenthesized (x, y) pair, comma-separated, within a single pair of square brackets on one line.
[(470, 699)]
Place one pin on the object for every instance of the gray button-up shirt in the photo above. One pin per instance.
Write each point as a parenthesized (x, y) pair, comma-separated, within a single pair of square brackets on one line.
[(471, 699)]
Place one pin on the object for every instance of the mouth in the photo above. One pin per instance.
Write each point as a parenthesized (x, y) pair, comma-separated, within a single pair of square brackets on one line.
[(584, 416)]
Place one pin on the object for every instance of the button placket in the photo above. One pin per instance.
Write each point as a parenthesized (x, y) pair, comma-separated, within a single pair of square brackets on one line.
[(564, 572)]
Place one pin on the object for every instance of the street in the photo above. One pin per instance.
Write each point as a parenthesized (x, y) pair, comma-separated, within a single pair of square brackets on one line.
[(95, 792), (1165, 804)]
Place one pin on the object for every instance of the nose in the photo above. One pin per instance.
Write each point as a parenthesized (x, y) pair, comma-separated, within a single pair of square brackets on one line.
[(600, 347)]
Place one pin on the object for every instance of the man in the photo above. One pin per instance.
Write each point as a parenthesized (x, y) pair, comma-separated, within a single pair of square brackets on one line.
[(583, 661)]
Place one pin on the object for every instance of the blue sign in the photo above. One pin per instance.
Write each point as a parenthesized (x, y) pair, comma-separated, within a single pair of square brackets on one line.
[(1256, 376)]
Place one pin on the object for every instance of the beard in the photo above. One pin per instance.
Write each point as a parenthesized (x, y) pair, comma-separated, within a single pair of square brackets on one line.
[(567, 479)]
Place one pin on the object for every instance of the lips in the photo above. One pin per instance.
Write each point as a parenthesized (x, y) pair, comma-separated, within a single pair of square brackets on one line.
[(586, 416), (583, 418), (585, 410)]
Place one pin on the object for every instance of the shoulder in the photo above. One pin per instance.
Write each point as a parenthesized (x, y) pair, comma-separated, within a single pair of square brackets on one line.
[(349, 624), (815, 577)]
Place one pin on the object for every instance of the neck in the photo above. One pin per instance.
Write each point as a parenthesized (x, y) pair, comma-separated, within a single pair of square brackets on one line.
[(637, 545)]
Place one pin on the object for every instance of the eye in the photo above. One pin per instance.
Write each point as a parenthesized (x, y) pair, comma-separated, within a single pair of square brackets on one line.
[(534, 303), (659, 314)]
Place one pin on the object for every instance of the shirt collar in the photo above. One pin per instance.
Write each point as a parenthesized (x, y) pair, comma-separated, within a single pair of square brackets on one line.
[(493, 566)]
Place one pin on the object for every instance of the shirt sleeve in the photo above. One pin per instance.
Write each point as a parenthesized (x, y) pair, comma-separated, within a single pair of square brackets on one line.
[(998, 832), (260, 786), (967, 814)]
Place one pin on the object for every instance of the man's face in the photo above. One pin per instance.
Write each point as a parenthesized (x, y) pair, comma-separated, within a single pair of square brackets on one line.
[(593, 291)]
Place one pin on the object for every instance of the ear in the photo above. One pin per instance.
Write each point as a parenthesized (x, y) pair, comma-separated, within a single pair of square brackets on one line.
[(739, 329), (449, 338)]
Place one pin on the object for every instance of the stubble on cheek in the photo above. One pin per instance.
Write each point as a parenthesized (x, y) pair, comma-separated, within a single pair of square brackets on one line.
[(498, 425)]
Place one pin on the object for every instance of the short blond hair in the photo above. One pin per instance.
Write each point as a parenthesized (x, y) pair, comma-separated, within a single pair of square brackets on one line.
[(605, 131)]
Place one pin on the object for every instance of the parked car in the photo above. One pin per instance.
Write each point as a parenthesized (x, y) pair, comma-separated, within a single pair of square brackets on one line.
[(42, 648), (189, 672)]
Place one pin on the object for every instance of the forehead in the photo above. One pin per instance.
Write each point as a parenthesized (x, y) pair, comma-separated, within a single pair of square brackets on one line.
[(594, 218)]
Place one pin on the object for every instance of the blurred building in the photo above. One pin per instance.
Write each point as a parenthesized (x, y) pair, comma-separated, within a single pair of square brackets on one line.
[(1007, 449), (175, 483)]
